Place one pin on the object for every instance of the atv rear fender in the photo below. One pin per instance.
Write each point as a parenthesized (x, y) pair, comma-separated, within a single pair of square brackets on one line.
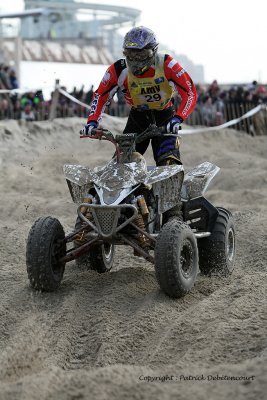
[(197, 180)]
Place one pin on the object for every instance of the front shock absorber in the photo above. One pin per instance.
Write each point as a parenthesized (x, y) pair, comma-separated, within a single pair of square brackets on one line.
[(142, 205), (139, 221), (81, 236)]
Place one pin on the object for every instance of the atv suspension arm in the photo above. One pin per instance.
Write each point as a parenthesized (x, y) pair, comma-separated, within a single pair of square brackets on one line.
[(72, 255), (138, 249)]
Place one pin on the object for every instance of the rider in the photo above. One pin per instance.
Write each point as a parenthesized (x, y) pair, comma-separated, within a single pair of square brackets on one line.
[(148, 80)]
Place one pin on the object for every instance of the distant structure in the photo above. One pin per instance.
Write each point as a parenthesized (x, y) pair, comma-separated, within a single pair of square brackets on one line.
[(68, 31), (67, 51), (89, 23), (75, 32)]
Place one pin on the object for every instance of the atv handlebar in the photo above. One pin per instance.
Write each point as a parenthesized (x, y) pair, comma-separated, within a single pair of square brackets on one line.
[(125, 143), (152, 131)]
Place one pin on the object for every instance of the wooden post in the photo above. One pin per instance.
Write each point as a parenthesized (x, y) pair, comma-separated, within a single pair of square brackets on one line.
[(54, 102), (18, 51), (259, 121)]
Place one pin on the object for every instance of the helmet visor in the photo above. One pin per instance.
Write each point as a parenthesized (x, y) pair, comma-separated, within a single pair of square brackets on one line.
[(138, 55)]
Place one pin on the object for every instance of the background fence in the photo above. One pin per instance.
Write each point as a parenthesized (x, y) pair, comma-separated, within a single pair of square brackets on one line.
[(31, 106)]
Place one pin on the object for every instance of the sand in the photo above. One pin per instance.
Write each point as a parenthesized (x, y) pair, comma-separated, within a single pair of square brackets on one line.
[(116, 335)]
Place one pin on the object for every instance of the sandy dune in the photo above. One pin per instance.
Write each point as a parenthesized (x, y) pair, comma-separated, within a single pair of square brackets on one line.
[(104, 336)]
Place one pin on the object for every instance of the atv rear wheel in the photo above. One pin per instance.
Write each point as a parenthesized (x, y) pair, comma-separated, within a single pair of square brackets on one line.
[(45, 247), (176, 258), (217, 251), (99, 259)]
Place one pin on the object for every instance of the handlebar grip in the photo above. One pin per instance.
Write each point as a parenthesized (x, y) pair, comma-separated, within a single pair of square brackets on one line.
[(162, 129), (93, 131)]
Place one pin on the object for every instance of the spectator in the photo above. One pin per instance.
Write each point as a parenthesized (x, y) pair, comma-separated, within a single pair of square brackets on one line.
[(4, 77), (122, 107), (232, 95), (27, 113), (260, 95), (239, 97), (89, 95), (25, 99), (248, 96), (13, 79), (201, 93), (252, 86), (16, 109), (214, 90), (80, 94), (220, 109), (208, 111), (4, 109)]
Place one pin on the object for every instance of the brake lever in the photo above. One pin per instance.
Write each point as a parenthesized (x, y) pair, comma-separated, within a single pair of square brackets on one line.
[(98, 133)]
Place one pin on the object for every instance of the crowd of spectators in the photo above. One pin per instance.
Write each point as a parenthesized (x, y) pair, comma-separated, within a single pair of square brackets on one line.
[(218, 104), (13, 103), (215, 104)]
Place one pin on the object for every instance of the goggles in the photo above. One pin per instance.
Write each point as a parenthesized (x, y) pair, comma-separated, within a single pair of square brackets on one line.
[(138, 55)]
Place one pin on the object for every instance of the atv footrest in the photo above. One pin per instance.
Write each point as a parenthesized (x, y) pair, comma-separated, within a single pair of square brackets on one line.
[(200, 214)]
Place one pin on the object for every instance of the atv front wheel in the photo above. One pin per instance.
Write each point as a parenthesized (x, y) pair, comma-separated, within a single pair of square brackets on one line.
[(100, 258), (176, 258), (217, 251), (45, 247)]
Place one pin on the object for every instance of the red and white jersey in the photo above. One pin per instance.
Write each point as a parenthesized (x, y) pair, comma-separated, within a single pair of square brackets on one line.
[(151, 90)]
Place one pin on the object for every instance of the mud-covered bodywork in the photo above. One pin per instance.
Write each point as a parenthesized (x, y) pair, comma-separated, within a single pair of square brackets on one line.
[(198, 179), (115, 181), (198, 212)]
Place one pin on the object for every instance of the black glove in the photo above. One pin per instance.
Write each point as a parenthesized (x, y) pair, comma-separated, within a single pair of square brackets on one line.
[(173, 125)]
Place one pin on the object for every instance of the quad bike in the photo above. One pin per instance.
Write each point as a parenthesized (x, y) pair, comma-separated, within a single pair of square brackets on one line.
[(126, 203)]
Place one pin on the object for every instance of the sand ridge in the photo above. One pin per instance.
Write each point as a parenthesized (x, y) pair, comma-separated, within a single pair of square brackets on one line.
[(103, 336)]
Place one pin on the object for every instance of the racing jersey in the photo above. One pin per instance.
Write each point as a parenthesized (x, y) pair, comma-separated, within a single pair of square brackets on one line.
[(151, 90)]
